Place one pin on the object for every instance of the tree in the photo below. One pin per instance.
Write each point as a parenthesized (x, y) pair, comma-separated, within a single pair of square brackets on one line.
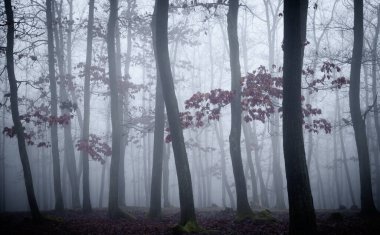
[(367, 203), (243, 208), (54, 99), (113, 207), (301, 208), (70, 155), (86, 109), (158, 142), (15, 113), (188, 218)]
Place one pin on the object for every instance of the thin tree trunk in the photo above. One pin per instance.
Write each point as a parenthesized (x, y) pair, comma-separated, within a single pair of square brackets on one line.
[(243, 208), (181, 161), (86, 110), (15, 113), (54, 113), (367, 203), (344, 155)]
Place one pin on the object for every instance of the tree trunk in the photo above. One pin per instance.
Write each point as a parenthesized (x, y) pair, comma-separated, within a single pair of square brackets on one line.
[(367, 203), (180, 156), (225, 184), (54, 112), (15, 113), (248, 148), (336, 176), (301, 208), (71, 163), (113, 206), (86, 110), (344, 155), (165, 176), (243, 208), (158, 142)]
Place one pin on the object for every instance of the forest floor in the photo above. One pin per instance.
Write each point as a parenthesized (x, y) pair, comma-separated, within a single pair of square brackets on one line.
[(213, 220)]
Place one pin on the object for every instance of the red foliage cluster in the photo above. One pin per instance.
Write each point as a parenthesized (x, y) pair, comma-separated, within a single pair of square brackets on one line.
[(95, 148), (207, 105), (320, 84), (38, 118), (258, 91), (29, 136)]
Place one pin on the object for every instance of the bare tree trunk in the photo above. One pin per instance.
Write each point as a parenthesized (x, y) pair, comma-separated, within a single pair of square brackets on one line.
[(86, 110), (113, 203), (165, 176), (158, 142), (225, 184), (336, 176), (248, 138), (54, 113), (181, 161), (15, 113), (243, 208), (367, 203), (301, 208)]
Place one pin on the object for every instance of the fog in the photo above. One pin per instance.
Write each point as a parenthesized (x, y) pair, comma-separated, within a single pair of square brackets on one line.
[(199, 51)]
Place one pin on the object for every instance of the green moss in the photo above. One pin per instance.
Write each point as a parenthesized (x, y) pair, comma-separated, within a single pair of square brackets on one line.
[(191, 226), (261, 216), (242, 216)]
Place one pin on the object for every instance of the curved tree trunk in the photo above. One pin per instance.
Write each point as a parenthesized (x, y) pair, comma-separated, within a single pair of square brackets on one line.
[(158, 142), (15, 114), (301, 208), (367, 203), (243, 208), (180, 156)]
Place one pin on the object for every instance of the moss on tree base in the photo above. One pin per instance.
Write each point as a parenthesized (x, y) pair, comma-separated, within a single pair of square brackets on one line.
[(191, 226)]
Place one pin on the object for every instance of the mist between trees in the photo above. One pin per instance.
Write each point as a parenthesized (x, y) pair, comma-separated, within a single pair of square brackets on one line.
[(190, 104)]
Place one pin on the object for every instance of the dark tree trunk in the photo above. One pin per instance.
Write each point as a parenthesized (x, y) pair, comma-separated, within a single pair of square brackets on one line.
[(367, 203), (86, 110), (243, 208), (158, 142), (54, 112), (301, 208), (180, 156), (15, 113), (113, 206)]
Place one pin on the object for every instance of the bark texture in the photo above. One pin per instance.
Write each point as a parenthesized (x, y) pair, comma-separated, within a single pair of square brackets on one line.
[(301, 208)]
